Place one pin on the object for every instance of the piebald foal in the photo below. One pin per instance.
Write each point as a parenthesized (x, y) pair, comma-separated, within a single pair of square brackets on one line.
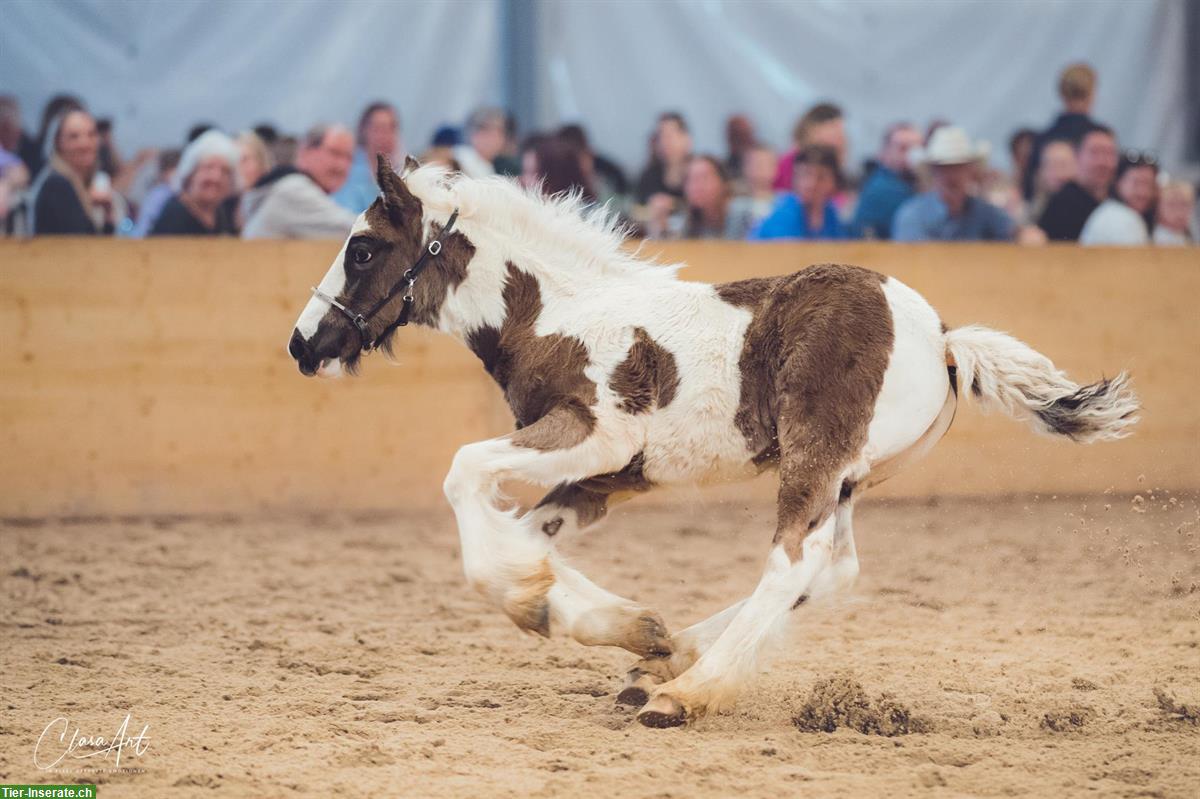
[(622, 377)]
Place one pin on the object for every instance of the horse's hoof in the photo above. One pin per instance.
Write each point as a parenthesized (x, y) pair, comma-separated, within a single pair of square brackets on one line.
[(663, 711), (650, 638), (637, 692)]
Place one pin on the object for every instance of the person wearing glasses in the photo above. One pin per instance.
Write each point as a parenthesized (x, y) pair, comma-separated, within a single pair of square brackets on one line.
[(294, 202), (1122, 218)]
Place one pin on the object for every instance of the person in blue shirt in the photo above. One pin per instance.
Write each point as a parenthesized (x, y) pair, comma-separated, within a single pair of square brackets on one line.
[(808, 212), (951, 212), (889, 185), (378, 133)]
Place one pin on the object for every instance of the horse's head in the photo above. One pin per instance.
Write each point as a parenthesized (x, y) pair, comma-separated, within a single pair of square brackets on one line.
[(360, 300)]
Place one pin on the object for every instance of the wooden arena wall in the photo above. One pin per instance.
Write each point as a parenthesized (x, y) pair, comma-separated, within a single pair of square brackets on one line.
[(151, 377)]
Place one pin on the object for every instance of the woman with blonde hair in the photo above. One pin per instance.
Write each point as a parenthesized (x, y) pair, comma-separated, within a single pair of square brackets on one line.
[(71, 195)]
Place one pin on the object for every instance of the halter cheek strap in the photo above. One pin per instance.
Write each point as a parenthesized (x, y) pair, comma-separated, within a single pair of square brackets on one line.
[(362, 322)]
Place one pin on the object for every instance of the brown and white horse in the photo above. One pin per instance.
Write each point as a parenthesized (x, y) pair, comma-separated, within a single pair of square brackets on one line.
[(622, 378)]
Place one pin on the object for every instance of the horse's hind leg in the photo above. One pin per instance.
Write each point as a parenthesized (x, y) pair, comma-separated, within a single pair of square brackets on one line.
[(514, 564), (689, 644), (812, 475)]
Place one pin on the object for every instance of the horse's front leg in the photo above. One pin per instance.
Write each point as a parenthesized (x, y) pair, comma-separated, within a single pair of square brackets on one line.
[(513, 563)]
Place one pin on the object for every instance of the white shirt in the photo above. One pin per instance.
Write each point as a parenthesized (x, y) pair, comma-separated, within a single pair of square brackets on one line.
[(1114, 222)]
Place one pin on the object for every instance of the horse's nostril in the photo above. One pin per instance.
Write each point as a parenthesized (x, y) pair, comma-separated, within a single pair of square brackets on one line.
[(297, 347)]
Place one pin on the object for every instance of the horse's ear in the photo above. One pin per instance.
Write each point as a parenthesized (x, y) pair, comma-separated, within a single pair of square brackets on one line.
[(395, 194), (411, 164)]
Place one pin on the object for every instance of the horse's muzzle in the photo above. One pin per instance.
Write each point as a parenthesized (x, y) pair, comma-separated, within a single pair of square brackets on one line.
[(306, 357)]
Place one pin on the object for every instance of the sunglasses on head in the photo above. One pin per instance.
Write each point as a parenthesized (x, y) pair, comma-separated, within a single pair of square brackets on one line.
[(1140, 158)]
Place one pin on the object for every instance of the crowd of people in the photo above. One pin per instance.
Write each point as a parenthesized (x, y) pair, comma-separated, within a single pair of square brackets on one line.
[(1070, 182)]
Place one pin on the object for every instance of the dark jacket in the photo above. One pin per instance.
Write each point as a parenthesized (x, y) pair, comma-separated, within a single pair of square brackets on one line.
[(653, 181), (1067, 127), (1067, 212), (177, 220), (57, 210)]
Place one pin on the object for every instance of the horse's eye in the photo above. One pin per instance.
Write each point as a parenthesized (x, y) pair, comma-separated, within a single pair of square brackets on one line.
[(361, 255)]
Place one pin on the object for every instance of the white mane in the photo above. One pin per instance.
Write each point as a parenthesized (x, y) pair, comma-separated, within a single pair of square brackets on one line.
[(590, 238)]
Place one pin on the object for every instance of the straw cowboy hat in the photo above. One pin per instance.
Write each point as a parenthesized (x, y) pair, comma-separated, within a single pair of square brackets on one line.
[(950, 145)]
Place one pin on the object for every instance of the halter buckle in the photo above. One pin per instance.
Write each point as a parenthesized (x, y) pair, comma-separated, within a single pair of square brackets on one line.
[(435, 247)]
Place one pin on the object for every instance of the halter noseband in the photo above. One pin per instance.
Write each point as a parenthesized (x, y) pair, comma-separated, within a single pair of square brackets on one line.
[(362, 322)]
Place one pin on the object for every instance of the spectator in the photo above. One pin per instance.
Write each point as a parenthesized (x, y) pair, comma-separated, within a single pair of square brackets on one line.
[(808, 212), (663, 176), (13, 137), (1176, 204), (1057, 168), (378, 134), (823, 124), (71, 196), (158, 195), (207, 175), (949, 212), (889, 185), (1068, 210), (740, 139), (601, 173), (1077, 90), (441, 149), (1121, 219), (553, 164), (293, 202), (485, 142), (758, 179), (711, 211)]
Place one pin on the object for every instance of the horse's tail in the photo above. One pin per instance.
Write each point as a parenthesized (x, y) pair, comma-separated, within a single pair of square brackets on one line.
[(1002, 372)]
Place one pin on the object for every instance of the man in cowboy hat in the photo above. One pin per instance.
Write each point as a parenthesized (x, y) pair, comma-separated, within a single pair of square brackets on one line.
[(951, 212)]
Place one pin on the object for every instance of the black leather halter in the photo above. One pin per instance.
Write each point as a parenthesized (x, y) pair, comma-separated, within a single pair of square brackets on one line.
[(362, 322)]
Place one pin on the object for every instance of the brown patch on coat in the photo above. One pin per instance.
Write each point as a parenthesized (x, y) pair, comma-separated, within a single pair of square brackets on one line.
[(812, 365), (590, 498), (527, 603), (541, 376), (648, 377)]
